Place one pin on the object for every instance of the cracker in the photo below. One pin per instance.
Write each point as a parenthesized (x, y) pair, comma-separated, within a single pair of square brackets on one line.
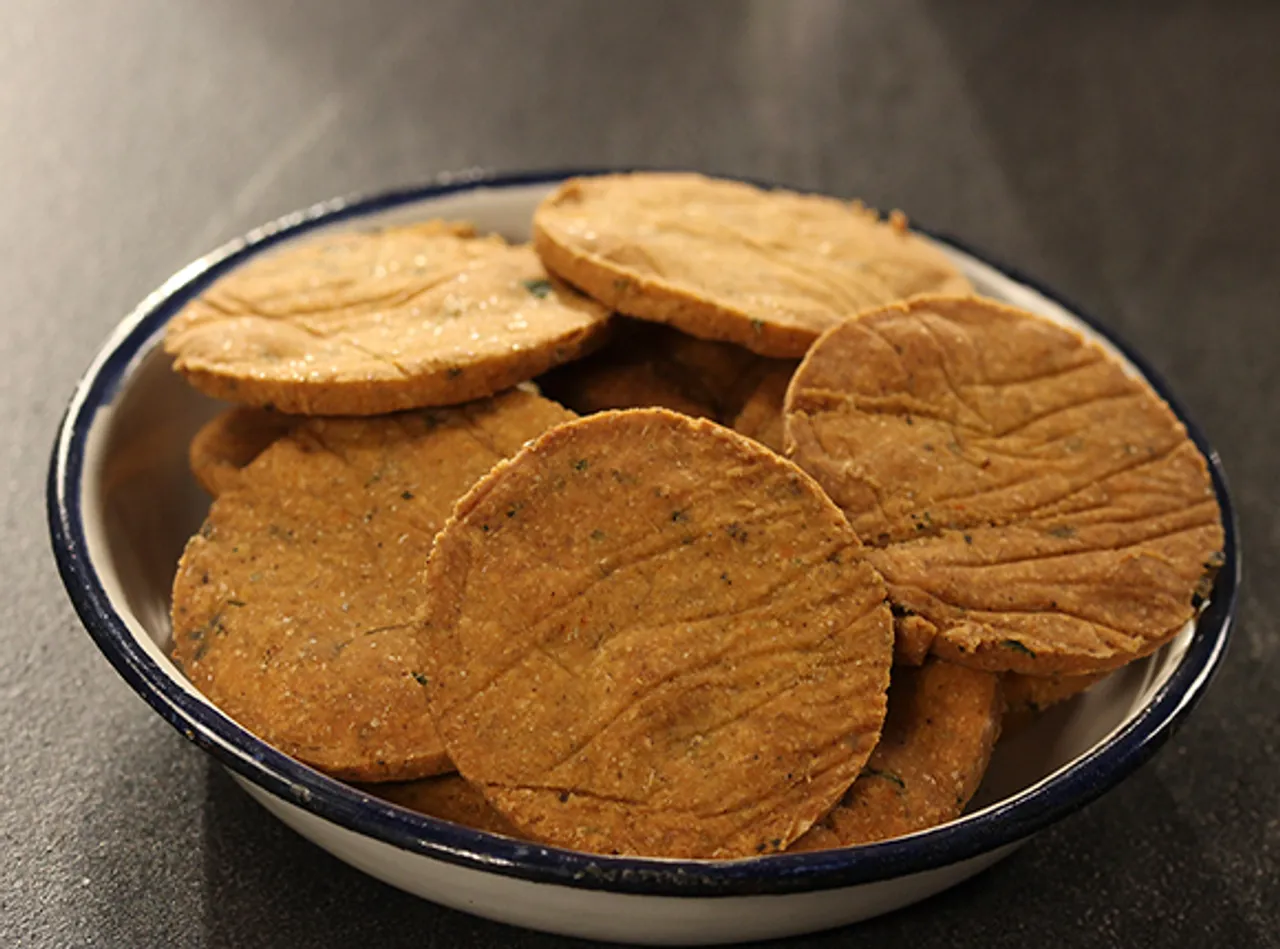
[(649, 635), (292, 606), (448, 797), (1039, 510), (646, 365), (232, 439), (942, 724), (372, 322), (602, 384), (769, 270), (760, 416), (1027, 696)]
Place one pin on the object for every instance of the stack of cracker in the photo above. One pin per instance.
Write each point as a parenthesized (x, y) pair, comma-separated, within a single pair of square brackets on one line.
[(787, 526)]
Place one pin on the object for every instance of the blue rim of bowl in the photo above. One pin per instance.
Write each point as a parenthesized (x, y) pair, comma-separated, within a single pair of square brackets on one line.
[(1001, 824)]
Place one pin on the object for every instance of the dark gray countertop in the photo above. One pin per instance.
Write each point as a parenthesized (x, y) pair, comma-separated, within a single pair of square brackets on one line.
[(1126, 156)]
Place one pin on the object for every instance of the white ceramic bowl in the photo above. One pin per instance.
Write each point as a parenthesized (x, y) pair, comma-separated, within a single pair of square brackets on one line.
[(122, 503)]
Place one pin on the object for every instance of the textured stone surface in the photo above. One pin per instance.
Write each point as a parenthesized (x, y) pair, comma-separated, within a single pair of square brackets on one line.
[(1122, 152)]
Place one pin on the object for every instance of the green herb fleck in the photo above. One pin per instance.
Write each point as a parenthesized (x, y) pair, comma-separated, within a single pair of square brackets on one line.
[(406, 495), (967, 538), (886, 775), (538, 287), (757, 326), (597, 534), (622, 284), (678, 516), (420, 678), (1062, 532), (235, 602), (453, 372), (581, 464), (1017, 646)]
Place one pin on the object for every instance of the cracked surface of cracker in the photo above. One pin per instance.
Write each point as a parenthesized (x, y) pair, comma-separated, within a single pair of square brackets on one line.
[(650, 635), (768, 270), (1033, 506), (292, 606), (364, 323)]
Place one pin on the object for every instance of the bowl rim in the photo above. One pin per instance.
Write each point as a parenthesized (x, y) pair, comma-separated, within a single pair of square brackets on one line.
[(1003, 823)]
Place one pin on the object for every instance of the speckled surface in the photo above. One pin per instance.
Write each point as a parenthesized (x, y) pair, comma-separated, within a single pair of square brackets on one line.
[(1124, 155)]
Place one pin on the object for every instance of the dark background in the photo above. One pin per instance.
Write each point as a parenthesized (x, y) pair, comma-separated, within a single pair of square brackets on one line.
[(1128, 154)]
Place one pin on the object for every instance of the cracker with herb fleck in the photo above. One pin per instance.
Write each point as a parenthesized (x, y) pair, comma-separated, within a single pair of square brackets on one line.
[(1027, 696), (942, 725), (362, 323), (646, 365), (768, 270), (1035, 507), (612, 384), (760, 416), (649, 635), (448, 797), (292, 605), (232, 439)]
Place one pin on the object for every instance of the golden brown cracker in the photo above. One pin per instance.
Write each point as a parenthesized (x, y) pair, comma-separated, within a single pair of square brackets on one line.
[(760, 416), (599, 385), (912, 637), (646, 365), (232, 439), (1038, 509), (362, 323), (768, 270), (1028, 696), (292, 606), (650, 635), (720, 374), (448, 797), (942, 724)]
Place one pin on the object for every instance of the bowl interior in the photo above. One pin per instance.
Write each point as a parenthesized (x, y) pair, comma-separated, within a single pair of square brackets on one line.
[(140, 502)]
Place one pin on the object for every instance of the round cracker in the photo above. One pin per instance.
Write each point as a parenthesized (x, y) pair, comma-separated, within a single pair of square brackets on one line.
[(292, 606), (942, 725), (760, 417), (650, 635), (769, 270), (1027, 696), (1039, 509), (645, 366), (372, 322), (232, 439), (592, 386), (448, 797)]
